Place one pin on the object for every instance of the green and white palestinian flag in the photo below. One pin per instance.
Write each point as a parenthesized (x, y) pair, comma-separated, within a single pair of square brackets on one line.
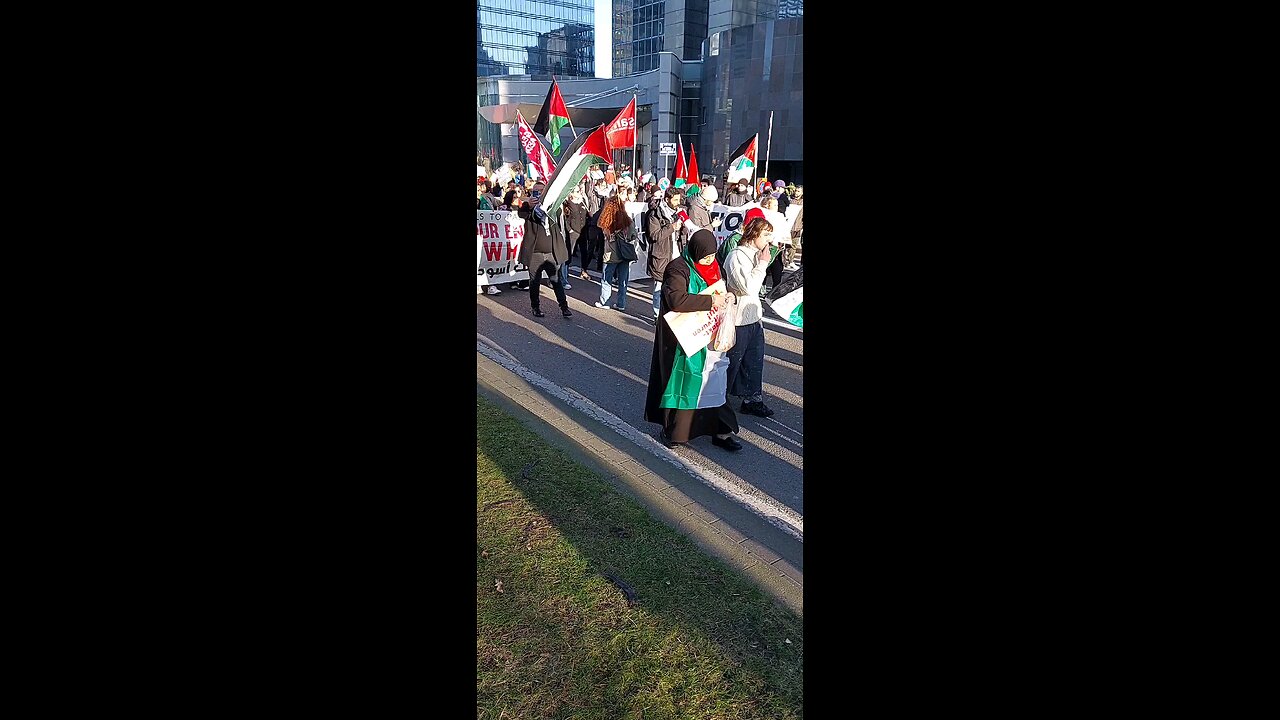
[(788, 299), (552, 117), (590, 148), (742, 163), (700, 380)]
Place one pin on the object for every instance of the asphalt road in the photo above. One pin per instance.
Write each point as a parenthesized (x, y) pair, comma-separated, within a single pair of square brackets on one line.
[(604, 355)]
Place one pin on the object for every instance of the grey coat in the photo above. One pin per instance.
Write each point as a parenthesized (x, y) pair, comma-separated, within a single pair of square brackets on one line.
[(699, 213)]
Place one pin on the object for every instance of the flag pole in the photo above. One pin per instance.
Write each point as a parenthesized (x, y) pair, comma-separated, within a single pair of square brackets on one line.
[(566, 110), (635, 136), (753, 166), (769, 145)]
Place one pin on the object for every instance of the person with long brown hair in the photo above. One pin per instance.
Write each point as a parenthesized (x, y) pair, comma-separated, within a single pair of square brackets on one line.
[(619, 250)]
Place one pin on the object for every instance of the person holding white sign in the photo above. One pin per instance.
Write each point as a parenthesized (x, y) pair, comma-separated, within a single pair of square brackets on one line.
[(687, 393)]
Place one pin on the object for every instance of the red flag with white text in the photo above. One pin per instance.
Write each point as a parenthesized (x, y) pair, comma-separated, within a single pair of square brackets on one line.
[(621, 132), (539, 156)]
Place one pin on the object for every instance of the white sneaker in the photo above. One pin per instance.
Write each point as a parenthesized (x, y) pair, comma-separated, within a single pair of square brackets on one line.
[(567, 286), (600, 304), (493, 290)]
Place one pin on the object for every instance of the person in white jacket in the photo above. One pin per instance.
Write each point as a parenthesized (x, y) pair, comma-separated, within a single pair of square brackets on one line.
[(744, 273)]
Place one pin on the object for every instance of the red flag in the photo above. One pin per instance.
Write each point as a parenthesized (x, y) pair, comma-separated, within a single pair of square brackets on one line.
[(680, 170), (692, 178), (621, 133), (538, 157)]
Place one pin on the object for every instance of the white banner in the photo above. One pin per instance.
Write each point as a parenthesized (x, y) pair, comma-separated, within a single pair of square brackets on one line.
[(498, 237), (639, 268), (499, 233), (732, 217)]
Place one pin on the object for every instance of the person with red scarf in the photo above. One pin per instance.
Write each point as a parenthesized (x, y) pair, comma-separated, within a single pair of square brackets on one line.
[(687, 394)]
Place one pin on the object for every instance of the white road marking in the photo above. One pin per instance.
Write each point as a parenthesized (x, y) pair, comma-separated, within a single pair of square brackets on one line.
[(784, 437), (780, 516), (775, 422), (783, 325)]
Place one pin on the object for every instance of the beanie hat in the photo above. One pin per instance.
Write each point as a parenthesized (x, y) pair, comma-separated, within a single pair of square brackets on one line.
[(780, 184), (752, 214)]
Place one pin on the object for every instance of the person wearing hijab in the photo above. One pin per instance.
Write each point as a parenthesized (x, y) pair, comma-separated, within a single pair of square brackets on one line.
[(687, 394), (543, 250)]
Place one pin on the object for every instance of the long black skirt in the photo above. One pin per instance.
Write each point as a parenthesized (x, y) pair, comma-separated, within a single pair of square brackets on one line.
[(684, 425)]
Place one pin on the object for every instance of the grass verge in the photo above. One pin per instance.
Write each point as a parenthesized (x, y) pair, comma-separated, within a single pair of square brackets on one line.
[(561, 640)]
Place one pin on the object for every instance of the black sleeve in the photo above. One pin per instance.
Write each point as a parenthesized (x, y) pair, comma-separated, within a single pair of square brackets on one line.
[(675, 288)]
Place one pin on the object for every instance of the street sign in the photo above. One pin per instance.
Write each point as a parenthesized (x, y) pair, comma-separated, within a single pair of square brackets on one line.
[(666, 148)]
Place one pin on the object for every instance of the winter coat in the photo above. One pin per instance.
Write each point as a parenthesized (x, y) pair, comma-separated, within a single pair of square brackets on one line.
[(737, 199), (611, 245), (533, 229), (660, 232), (575, 216), (783, 201), (700, 214), (676, 297)]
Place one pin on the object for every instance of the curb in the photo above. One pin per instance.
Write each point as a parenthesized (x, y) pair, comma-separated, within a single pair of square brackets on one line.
[(721, 527)]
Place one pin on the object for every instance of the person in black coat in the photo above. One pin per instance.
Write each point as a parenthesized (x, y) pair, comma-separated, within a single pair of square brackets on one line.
[(679, 425), (575, 223), (542, 250), (663, 228)]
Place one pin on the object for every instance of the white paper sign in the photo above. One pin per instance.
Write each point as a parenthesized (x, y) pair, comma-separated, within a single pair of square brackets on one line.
[(693, 330), (498, 237)]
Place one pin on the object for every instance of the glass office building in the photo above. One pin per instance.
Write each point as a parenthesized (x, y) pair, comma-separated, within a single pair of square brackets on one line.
[(535, 38), (644, 28), (638, 27), (748, 72)]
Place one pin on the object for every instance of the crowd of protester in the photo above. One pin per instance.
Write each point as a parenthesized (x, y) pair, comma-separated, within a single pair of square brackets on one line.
[(672, 214), (677, 232)]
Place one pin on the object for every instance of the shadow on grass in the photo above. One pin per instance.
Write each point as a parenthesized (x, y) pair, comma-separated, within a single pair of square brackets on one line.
[(700, 641)]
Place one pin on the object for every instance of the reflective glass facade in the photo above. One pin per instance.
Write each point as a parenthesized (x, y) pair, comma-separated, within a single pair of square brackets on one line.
[(748, 72), (536, 38), (638, 28), (644, 28)]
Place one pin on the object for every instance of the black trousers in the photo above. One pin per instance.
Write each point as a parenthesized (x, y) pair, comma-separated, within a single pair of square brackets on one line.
[(540, 263), (592, 245), (775, 269)]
